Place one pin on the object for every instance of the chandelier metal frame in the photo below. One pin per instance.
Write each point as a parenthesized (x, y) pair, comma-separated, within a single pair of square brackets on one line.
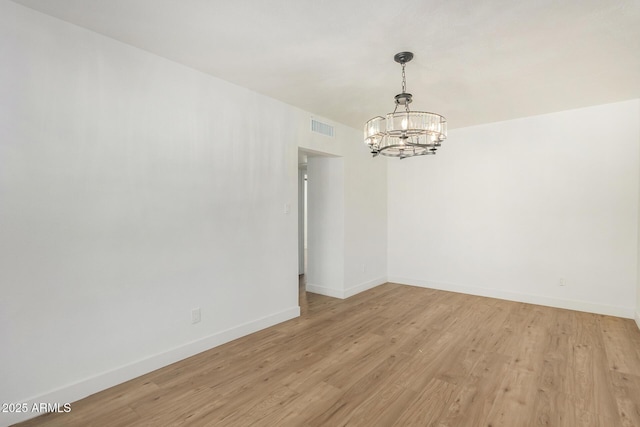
[(406, 133)]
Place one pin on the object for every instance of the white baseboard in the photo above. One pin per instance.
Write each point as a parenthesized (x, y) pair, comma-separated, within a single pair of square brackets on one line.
[(349, 292), (322, 290), (638, 319), (353, 290), (79, 390), (586, 306)]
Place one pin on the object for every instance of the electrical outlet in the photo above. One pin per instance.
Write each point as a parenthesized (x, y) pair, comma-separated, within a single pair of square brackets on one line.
[(562, 282), (364, 267), (195, 315)]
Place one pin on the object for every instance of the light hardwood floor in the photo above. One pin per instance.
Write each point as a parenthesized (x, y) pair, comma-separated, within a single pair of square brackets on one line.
[(394, 356)]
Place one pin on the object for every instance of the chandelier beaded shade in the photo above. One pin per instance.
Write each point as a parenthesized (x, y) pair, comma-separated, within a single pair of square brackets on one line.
[(406, 133)]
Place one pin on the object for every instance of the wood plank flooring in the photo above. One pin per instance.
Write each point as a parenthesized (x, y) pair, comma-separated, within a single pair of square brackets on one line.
[(394, 356)]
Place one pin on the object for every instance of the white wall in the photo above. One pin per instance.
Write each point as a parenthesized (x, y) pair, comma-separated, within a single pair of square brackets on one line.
[(365, 220), (507, 209), (637, 313), (132, 189), (347, 216), (325, 263)]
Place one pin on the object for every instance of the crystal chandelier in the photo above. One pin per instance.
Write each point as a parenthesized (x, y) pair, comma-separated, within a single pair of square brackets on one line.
[(405, 133)]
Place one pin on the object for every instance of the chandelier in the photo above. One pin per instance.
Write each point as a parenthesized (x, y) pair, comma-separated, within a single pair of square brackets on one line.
[(406, 133)]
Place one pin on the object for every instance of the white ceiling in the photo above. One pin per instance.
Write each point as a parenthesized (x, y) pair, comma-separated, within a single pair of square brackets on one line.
[(475, 61)]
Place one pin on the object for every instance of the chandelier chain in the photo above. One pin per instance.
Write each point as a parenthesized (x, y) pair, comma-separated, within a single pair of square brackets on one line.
[(404, 82)]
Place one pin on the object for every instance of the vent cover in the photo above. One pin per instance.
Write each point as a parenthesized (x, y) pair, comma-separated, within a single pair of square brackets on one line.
[(321, 128)]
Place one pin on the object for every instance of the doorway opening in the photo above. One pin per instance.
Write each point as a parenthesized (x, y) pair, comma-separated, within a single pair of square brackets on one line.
[(302, 230)]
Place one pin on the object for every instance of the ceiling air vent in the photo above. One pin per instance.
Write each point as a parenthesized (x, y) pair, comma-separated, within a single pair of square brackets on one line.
[(321, 128)]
